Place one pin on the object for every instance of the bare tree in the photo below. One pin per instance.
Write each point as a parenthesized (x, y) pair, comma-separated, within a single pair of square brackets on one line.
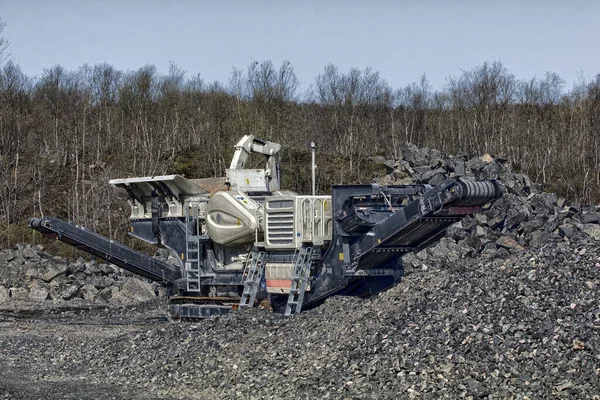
[(64, 134), (4, 43)]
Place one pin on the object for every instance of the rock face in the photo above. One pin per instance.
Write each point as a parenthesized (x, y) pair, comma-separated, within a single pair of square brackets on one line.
[(28, 273)]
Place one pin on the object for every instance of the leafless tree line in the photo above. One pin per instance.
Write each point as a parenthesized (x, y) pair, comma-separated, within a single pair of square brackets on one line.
[(64, 134)]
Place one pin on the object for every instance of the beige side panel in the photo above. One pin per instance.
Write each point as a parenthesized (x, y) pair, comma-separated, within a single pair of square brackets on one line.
[(232, 218)]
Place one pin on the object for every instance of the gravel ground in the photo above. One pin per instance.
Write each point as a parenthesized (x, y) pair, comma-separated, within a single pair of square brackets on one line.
[(525, 326)]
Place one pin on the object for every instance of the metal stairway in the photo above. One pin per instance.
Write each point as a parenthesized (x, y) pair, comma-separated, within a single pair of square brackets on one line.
[(253, 273), (193, 250), (301, 272), (192, 263)]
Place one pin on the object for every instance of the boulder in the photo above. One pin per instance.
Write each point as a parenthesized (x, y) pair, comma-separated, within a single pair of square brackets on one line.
[(459, 168), (532, 225), (515, 215), (568, 230), (410, 261), (101, 281), (400, 174), (136, 290), (28, 253), (487, 158), (415, 156), (6, 256), (92, 269), (482, 231), (390, 166), (537, 238), (18, 293), (543, 203), (436, 158), (475, 164), (4, 295), (553, 222), (51, 273), (105, 295), (31, 273), (592, 230), (510, 244), (490, 171), (589, 217), (435, 177), (489, 249), (108, 269), (38, 294), (71, 291), (89, 292)]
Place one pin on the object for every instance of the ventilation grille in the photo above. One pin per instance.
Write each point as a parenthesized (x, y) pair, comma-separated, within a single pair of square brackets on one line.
[(280, 228)]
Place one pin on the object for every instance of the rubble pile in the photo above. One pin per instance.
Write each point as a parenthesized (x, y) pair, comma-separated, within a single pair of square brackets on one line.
[(524, 217), (525, 326), (29, 274)]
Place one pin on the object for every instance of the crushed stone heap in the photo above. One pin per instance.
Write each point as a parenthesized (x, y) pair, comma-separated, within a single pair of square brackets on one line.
[(523, 326)]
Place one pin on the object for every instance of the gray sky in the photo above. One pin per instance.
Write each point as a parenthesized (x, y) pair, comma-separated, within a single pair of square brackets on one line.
[(400, 39)]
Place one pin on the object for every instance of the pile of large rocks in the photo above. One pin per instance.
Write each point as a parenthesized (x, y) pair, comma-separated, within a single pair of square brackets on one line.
[(524, 217), (29, 274)]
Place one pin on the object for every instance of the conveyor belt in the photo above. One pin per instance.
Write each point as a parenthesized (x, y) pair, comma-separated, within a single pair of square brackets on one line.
[(101, 246), (422, 222)]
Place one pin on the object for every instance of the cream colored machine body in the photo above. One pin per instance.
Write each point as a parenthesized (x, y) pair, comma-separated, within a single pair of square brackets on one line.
[(250, 212)]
